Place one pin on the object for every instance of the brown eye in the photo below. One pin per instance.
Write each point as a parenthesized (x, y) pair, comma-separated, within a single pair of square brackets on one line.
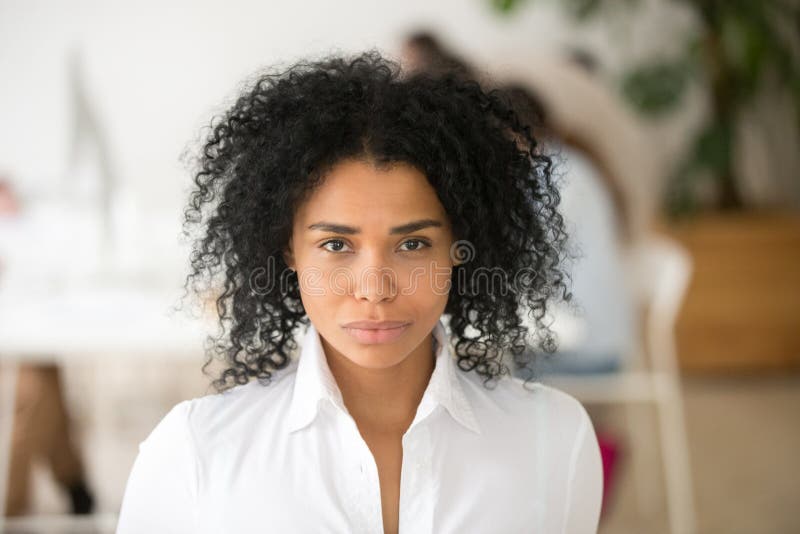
[(336, 245), (420, 244)]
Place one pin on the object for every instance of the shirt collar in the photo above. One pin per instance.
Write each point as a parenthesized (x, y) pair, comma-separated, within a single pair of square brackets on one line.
[(314, 384)]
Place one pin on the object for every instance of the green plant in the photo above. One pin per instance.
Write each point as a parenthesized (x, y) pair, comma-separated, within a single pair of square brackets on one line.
[(737, 44)]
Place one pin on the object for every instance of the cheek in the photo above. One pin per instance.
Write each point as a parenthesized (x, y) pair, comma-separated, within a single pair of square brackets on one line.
[(426, 283), (319, 301), (322, 285)]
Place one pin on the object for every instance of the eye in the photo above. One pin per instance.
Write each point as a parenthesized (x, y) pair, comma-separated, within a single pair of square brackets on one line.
[(337, 245), (419, 245)]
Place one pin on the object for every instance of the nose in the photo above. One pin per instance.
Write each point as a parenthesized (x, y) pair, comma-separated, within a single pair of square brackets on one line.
[(375, 280)]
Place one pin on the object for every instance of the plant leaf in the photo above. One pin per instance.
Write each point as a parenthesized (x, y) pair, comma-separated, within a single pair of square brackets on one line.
[(656, 87)]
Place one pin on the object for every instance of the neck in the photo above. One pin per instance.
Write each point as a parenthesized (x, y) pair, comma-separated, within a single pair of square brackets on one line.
[(386, 398)]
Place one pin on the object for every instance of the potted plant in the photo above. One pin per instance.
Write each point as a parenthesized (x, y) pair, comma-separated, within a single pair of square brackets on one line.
[(743, 306)]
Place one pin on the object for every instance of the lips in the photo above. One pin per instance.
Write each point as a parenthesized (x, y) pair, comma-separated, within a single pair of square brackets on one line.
[(375, 325), (376, 332)]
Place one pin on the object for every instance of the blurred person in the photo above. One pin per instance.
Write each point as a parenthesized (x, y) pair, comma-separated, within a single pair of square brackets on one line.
[(596, 214), (400, 413), (595, 211), (8, 201), (41, 429), (422, 52)]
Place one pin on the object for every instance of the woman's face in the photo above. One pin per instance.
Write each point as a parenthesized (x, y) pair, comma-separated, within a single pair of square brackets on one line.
[(372, 245)]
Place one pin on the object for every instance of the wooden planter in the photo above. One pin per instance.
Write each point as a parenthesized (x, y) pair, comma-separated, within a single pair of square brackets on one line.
[(742, 310)]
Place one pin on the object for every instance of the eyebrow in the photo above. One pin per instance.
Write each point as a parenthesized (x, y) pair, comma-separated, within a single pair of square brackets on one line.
[(412, 226)]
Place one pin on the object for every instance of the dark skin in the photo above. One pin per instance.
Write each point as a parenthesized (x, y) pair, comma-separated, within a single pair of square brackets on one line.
[(381, 384)]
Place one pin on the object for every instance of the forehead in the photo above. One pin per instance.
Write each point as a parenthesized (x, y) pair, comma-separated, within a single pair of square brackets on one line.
[(358, 192)]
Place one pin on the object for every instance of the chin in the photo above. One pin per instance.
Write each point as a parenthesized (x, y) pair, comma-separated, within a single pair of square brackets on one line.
[(377, 356)]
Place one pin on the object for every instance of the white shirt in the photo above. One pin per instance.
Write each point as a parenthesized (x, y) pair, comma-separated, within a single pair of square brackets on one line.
[(288, 458)]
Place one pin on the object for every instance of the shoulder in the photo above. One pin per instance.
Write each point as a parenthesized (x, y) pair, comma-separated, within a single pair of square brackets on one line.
[(222, 415), (240, 404), (531, 405), (512, 393)]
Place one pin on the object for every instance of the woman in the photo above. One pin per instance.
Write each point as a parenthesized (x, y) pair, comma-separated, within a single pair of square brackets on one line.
[(395, 224)]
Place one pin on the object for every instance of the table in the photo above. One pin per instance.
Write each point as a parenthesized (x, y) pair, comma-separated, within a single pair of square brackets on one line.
[(80, 322)]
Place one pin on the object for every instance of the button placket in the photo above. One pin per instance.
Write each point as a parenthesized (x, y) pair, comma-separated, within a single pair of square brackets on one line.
[(372, 491), (415, 498), (365, 487), (359, 484)]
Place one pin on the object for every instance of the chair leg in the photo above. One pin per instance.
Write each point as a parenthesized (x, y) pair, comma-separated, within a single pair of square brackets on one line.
[(642, 442), (675, 447)]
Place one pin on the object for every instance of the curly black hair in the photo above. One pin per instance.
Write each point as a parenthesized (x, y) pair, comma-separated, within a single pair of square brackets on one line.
[(261, 157)]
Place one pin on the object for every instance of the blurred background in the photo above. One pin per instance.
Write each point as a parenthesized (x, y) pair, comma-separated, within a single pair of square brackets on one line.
[(675, 125)]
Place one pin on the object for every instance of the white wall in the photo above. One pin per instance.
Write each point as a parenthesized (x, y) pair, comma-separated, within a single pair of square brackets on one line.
[(156, 71)]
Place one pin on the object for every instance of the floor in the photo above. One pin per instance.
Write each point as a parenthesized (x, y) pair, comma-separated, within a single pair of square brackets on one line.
[(744, 435), (744, 440)]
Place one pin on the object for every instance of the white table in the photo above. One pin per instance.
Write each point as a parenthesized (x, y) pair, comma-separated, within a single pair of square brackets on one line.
[(67, 319), (95, 321), (66, 296), (79, 322)]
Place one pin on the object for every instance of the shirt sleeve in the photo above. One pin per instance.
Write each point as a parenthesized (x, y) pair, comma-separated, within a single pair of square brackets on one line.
[(161, 491), (585, 490)]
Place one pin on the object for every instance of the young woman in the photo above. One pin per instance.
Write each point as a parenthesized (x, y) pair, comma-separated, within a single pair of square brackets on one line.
[(398, 226)]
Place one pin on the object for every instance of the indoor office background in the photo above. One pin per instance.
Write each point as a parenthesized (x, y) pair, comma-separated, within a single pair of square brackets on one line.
[(675, 128)]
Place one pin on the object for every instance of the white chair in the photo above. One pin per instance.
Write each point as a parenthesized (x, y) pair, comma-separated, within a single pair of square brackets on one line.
[(659, 273)]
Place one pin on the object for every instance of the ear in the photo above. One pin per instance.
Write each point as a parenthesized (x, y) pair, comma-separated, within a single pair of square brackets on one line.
[(455, 260)]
